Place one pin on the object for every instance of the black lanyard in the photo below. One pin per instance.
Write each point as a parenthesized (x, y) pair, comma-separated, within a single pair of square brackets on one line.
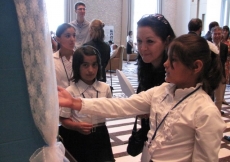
[(154, 135), (67, 76)]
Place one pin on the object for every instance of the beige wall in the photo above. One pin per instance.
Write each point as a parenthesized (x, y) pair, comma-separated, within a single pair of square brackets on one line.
[(109, 11), (178, 13)]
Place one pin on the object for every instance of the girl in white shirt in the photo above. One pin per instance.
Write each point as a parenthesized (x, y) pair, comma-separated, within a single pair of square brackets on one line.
[(185, 124), (86, 136), (65, 36)]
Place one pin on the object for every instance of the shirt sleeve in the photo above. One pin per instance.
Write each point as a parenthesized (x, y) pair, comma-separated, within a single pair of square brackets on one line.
[(209, 128), (118, 107), (65, 112)]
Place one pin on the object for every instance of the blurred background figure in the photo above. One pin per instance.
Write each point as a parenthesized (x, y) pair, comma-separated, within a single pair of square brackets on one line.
[(223, 53), (129, 46), (114, 51), (208, 35), (195, 26), (81, 25), (54, 42)]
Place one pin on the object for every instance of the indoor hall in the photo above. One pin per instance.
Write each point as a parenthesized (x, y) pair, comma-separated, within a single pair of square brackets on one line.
[(20, 134)]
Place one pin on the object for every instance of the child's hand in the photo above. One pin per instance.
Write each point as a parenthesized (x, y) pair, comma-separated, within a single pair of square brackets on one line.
[(66, 100), (84, 128)]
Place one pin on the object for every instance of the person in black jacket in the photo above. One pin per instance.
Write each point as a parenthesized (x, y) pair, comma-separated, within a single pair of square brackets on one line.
[(195, 26), (208, 34), (223, 53), (97, 40)]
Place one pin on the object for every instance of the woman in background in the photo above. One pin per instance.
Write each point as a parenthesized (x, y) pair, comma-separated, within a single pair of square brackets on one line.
[(65, 36), (226, 41), (129, 46), (97, 40), (154, 34)]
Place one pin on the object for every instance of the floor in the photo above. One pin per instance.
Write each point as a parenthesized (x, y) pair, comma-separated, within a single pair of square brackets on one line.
[(120, 129)]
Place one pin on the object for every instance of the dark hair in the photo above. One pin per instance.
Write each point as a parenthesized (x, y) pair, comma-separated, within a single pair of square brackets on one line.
[(213, 24), (159, 25), (194, 24), (216, 28), (227, 29), (78, 4), (61, 29), (189, 48), (97, 31), (78, 59), (130, 32), (148, 75)]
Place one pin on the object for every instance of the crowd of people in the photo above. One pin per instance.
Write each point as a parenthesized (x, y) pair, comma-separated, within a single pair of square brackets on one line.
[(180, 90)]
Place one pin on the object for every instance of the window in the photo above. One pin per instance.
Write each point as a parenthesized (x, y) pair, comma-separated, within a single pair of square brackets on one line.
[(225, 13), (55, 12), (142, 7)]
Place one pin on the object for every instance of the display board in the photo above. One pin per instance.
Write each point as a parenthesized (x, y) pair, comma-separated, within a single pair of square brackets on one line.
[(109, 33)]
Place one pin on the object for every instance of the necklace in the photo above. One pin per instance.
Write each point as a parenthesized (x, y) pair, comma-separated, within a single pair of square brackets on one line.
[(67, 76)]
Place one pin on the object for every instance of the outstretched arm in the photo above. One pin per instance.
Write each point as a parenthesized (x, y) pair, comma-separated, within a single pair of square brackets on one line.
[(66, 100)]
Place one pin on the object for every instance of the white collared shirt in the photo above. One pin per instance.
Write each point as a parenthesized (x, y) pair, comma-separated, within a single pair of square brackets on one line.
[(82, 32), (61, 77), (191, 132), (80, 89)]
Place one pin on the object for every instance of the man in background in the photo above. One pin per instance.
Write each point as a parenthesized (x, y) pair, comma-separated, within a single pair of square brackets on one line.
[(208, 34), (216, 34), (195, 26), (81, 25)]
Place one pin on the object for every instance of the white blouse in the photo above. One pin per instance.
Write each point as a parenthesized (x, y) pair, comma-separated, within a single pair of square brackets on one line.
[(60, 72), (191, 132), (80, 89), (129, 39)]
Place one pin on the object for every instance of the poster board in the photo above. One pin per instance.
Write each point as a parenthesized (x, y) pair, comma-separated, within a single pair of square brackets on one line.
[(109, 33)]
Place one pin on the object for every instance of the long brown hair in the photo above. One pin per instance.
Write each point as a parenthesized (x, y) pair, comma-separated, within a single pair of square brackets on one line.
[(96, 30)]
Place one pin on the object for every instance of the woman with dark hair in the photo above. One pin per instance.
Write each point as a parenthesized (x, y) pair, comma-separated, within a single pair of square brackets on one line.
[(185, 124), (129, 45), (97, 40), (86, 136), (65, 36), (154, 34), (226, 41)]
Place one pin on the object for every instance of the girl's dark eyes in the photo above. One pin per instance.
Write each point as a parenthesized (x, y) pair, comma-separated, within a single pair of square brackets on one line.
[(95, 64), (69, 35), (87, 65), (150, 41), (173, 59)]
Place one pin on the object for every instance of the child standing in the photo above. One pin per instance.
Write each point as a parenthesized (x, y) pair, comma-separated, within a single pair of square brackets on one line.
[(87, 138), (182, 114)]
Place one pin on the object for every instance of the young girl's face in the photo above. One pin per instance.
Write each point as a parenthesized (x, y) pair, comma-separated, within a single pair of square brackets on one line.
[(179, 74), (67, 39), (89, 69)]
